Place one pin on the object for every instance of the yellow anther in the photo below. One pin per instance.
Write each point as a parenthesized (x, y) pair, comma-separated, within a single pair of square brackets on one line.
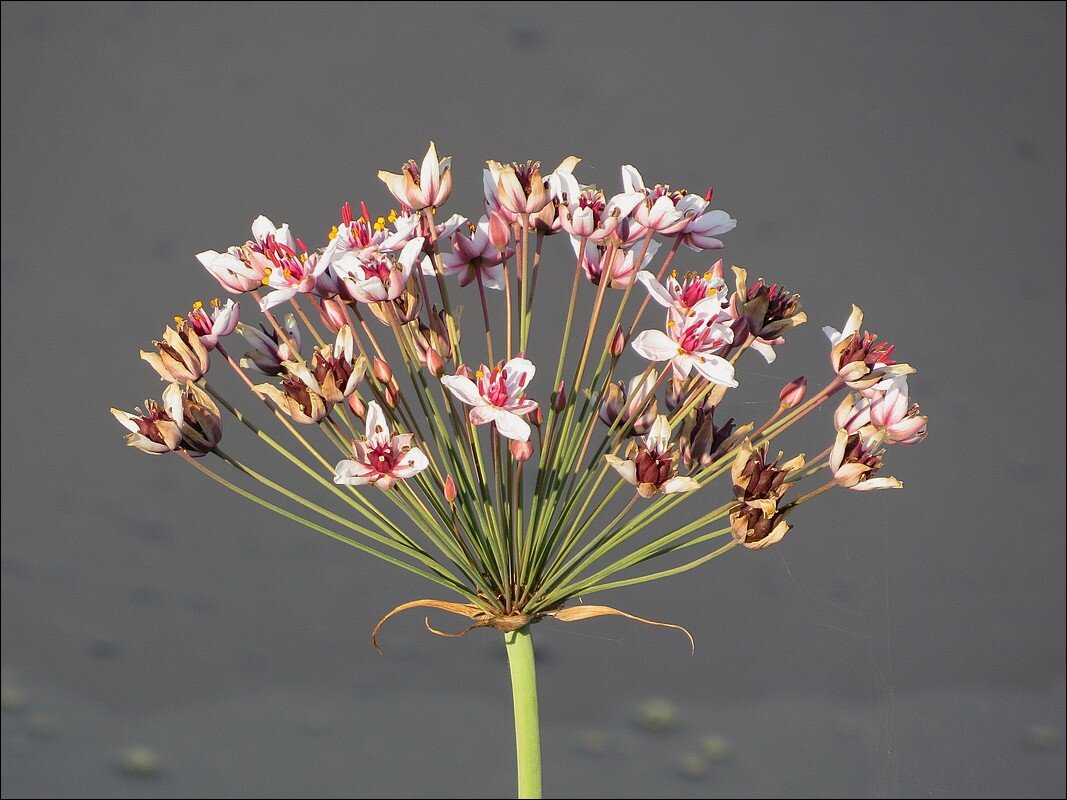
[(674, 273), (681, 351), (670, 323), (215, 302), (265, 281), (198, 305), (393, 215), (288, 273), (707, 276), (267, 270), (304, 257), (479, 374), (178, 319), (333, 233)]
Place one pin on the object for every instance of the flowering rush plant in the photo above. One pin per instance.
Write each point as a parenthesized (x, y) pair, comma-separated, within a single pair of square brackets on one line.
[(521, 497)]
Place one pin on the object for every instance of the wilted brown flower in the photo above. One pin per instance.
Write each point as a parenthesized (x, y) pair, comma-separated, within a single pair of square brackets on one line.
[(201, 423), (652, 465), (180, 356), (702, 442), (756, 521)]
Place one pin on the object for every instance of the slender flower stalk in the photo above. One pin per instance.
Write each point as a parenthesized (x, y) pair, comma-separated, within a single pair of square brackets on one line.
[(519, 497)]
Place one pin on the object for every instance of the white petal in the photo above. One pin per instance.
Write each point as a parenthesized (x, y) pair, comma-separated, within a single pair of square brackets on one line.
[(277, 297), (655, 345), (679, 483), (415, 461), (377, 425), (655, 288), (512, 426), (463, 388), (520, 372), (624, 466), (716, 369), (352, 472), (659, 437), (764, 350), (262, 227), (125, 420)]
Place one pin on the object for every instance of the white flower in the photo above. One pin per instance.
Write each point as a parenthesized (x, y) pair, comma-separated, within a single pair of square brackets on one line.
[(695, 296)]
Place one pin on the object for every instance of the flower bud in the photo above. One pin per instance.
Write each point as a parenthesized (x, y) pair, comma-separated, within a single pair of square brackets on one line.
[(333, 315), (450, 490), (390, 397), (674, 396), (536, 417), (465, 372), (358, 407), (559, 397), (520, 451), (792, 393), (382, 371), (611, 405), (434, 363), (617, 342), (499, 231)]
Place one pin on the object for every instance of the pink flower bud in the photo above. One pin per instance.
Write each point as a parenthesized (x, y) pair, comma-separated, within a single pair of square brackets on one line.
[(434, 362), (450, 490), (390, 397), (617, 342), (520, 451), (333, 314), (792, 393), (357, 406), (382, 371), (465, 372), (536, 417), (559, 398), (499, 231)]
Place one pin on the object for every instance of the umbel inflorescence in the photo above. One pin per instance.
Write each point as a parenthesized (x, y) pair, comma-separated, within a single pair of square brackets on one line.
[(518, 494)]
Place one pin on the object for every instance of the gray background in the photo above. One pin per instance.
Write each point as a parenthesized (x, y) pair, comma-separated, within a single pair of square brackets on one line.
[(908, 157)]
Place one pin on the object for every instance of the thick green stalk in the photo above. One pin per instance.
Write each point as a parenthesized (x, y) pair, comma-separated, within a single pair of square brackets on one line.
[(527, 729)]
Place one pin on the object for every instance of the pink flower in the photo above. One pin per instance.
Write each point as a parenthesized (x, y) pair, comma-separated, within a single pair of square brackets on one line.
[(856, 459), (860, 359), (422, 187), (690, 345), (380, 459), (245, 268), (667, 213), (703, 230), (222, 321), (473, 254), (618, 263), (695, 296), (383, 277), (853, 414), (891, 413), (499, 396), (290, 272)]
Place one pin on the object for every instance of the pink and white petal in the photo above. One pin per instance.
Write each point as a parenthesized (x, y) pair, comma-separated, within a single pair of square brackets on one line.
[(680, 483), (463, 388), (632, 182), (659, 436), (353, 473), (715, 369), (396, 184), (493, 277), (430, 172), (409, 254), (625, 467), (262, 227), (520, 372), (523, 407), (655, 345)]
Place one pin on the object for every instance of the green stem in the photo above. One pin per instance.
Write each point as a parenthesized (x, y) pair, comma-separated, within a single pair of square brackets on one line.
[(527, 731)]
